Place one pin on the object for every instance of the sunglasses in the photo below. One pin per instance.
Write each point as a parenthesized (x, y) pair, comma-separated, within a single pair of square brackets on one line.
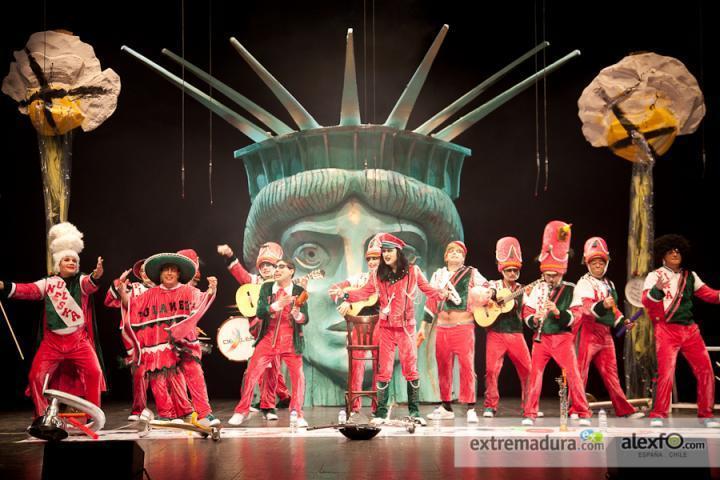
[(512, 270), (281, 266)]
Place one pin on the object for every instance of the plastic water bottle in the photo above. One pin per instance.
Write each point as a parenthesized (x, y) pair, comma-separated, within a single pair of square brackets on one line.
[(602, 420), (293, 421), (342, 417), (436, 419)]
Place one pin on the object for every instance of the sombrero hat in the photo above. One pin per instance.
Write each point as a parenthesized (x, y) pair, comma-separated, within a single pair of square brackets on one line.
[(154, 264)]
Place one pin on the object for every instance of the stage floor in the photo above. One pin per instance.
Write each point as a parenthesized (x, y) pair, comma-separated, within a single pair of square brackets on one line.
[(267, 450)]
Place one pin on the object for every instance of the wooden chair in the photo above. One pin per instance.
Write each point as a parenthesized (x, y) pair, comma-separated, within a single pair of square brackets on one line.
[(360, 340)]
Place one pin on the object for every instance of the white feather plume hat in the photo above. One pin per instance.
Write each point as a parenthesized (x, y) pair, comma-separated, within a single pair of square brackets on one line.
[(65, 240)]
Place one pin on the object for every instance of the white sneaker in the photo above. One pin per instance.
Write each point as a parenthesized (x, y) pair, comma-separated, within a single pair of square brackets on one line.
[(528, 422), (488, 413), (656, 422), (585, 422), (574, 416), (236, 419), (302, 423), (210, 421), (421, 421), (472, 416), (271, 416), (711, 423), (133, 418), (636, 415), (540, 414), (254, 410), (441, 414)]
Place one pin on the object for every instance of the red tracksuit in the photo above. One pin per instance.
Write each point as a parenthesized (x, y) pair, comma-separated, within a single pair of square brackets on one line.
[(272, 382), (595, 340), (280, 337), (504, 337), (557, 344), (139, 382), (149, 315), (397, 319), (68, 335), (458, 338), (671, 312)]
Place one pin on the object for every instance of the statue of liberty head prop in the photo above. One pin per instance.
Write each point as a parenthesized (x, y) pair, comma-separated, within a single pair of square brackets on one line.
[(324, 192)]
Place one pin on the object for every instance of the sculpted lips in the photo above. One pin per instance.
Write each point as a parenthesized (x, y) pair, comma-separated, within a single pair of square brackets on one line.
[(338, 327)]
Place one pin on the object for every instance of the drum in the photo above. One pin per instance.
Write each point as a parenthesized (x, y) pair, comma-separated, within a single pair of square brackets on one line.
[(234, 339)]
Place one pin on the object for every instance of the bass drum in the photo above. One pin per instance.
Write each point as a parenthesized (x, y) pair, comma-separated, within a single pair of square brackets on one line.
[(234, 339)]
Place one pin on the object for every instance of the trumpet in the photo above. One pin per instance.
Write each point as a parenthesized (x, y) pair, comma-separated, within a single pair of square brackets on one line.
[(542, 310)]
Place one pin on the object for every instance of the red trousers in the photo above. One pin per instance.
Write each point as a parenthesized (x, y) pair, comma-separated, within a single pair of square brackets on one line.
[(456, 341), (558, 347), (170, 392), (139, 389), (272, 384), (358, 372), (74, 348), (671, 338), (498, 345), (404, 340), (597, 347), (195, 378), (263, 357)]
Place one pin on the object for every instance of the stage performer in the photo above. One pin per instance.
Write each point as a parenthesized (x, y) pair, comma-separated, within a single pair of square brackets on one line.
[(667, 295), (454, 330), (162, 318), (68, 331), (337, 292), (281, 335), (546, 310), (595, 308), (505, 334), (396, 283), (272, 383), (112, 300)]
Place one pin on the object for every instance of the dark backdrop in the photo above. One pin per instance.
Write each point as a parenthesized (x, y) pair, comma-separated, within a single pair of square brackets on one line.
[(126, 194)]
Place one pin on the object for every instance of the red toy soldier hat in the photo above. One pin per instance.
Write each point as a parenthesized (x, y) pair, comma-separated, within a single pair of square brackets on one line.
[(508, 253)]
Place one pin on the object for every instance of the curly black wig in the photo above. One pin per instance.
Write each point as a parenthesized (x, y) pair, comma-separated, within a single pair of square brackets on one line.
[(665, 243)]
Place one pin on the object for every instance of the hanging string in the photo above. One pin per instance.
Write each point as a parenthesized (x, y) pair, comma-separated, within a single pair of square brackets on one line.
[(365, 109), (537, 113), (701, 36), (374, 90), (210, 113), (545, 100), (182, 102)]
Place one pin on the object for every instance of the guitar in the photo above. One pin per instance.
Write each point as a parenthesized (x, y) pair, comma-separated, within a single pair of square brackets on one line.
[(247, 295), (487, 314), (356, 307)]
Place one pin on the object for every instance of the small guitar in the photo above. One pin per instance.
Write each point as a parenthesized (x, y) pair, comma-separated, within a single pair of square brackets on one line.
[(247, 295), (487, 314), (356, 307)]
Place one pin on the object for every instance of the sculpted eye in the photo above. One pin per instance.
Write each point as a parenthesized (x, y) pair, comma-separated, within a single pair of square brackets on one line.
[(311, 256)]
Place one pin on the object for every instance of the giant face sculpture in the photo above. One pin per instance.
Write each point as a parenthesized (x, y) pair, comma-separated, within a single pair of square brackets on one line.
[(324, 219)]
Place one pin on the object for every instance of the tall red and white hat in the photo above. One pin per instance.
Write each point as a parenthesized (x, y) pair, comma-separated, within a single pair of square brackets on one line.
[(555, 250), (270, 252), (596, 247), (374, 248), (192, 255), (508, 253)]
